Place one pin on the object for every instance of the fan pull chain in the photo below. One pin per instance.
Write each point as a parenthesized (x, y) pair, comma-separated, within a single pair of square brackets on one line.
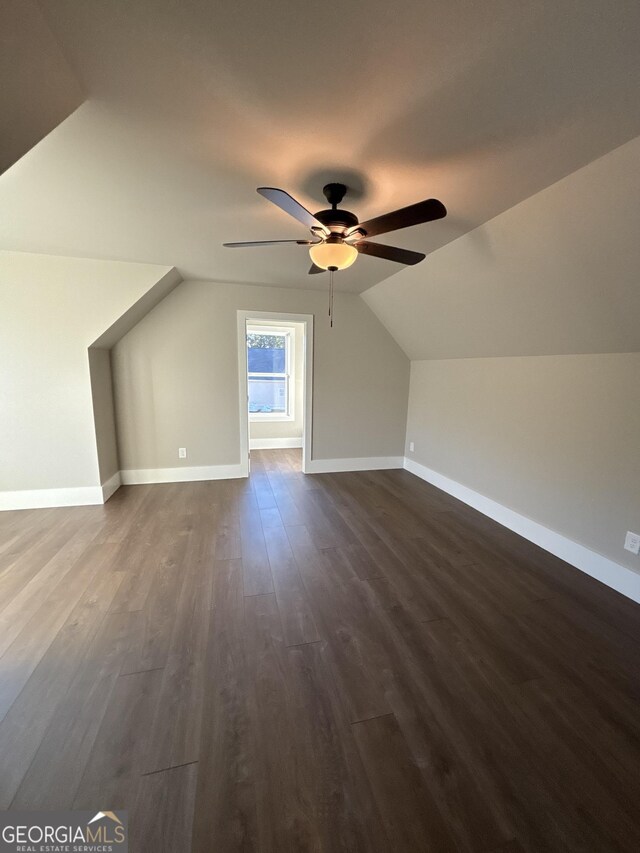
[(331, 299)]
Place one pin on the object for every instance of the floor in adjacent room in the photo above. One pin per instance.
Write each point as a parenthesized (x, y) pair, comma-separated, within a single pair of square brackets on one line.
[(344, 662)]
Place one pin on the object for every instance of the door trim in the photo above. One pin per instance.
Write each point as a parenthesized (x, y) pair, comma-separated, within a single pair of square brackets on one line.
[(243, 318)]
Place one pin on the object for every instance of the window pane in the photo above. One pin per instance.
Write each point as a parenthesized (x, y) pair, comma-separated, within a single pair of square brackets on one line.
[(267, 394), (266, 353)]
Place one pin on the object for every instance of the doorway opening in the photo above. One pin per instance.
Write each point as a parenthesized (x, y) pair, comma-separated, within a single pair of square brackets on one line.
[(275, 370)]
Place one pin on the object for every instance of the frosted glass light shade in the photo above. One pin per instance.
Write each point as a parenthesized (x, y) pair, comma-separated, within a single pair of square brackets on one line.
[(338, 255)]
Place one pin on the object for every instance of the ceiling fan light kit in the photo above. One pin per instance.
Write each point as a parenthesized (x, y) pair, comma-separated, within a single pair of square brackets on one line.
[(333, 253), (338, 235)]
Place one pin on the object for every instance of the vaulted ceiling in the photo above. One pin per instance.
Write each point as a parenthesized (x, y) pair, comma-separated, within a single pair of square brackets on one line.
[(557, 274), (39, 88), (192, 104)]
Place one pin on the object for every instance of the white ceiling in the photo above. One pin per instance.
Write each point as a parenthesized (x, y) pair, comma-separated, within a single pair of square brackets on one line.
[(193, 104)]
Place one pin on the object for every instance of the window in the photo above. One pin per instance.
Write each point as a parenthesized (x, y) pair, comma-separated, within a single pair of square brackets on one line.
[(269, 360)]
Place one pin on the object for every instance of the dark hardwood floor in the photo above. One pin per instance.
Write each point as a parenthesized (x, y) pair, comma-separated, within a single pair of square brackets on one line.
[(339, 662)]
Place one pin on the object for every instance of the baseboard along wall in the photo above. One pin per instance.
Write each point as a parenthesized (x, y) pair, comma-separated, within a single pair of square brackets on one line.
[(48, 498), (95, 495), (51, 498), (227, 472), (110, 486), (136, 477), (363, 463), (608, 572), (618, 577), (274, 443)]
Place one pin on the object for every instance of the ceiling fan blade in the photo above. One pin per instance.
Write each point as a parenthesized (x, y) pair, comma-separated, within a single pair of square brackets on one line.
[(268, 243), (390, 253), (313, 269), (287, 203), (415, 214)]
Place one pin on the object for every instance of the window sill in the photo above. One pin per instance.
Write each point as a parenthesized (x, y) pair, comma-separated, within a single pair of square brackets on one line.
[(261, 417)]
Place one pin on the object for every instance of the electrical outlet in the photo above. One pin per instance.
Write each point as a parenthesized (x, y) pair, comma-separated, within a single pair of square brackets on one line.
[(182, 453), (412, 447), (632, 542)]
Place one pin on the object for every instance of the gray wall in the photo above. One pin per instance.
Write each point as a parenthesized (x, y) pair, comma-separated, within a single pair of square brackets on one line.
[(555, 438), (52, 310), (103, 412), (176, 377)]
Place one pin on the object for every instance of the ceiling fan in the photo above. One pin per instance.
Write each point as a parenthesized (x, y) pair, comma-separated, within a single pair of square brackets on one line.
[(338, 236)]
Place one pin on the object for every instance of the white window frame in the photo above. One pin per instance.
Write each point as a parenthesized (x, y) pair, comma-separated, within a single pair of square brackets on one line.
[(288, 375)]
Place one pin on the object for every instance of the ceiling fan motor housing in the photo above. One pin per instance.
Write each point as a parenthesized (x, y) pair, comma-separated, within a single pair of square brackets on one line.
[(337, 219)]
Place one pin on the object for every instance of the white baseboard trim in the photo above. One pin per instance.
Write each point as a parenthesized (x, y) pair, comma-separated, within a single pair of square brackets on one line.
[(364, 463), (47, 498), (112, 485), (136, 477), (273, 443), (618, 577)]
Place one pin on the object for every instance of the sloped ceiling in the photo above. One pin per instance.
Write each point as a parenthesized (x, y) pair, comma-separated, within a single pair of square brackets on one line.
[(194, 104), (557, 274), (38, 89)]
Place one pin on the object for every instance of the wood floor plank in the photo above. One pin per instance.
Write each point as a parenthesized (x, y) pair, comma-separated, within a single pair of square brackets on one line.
[(175, 733), (225, 809), (460, 595), (430, 707), (283, 798), (564, 579), (27, 650), (554, 643), (270, 517), (112, 773), (262, 490), (289, 509), (121, 513), (26, 722), (328, 662), (54, 775), (473, 725), (150, 649), (411, 818), (26, 602), (323, 521), (352, 647), (29, 563), (519, 781), (255, 562), (512, 846), (586, 783), (227, 524), (495, 561), (162, 817), (297, 618), (394, 561), (361, 562), (149, 545), (345, 816), (22, 539)]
